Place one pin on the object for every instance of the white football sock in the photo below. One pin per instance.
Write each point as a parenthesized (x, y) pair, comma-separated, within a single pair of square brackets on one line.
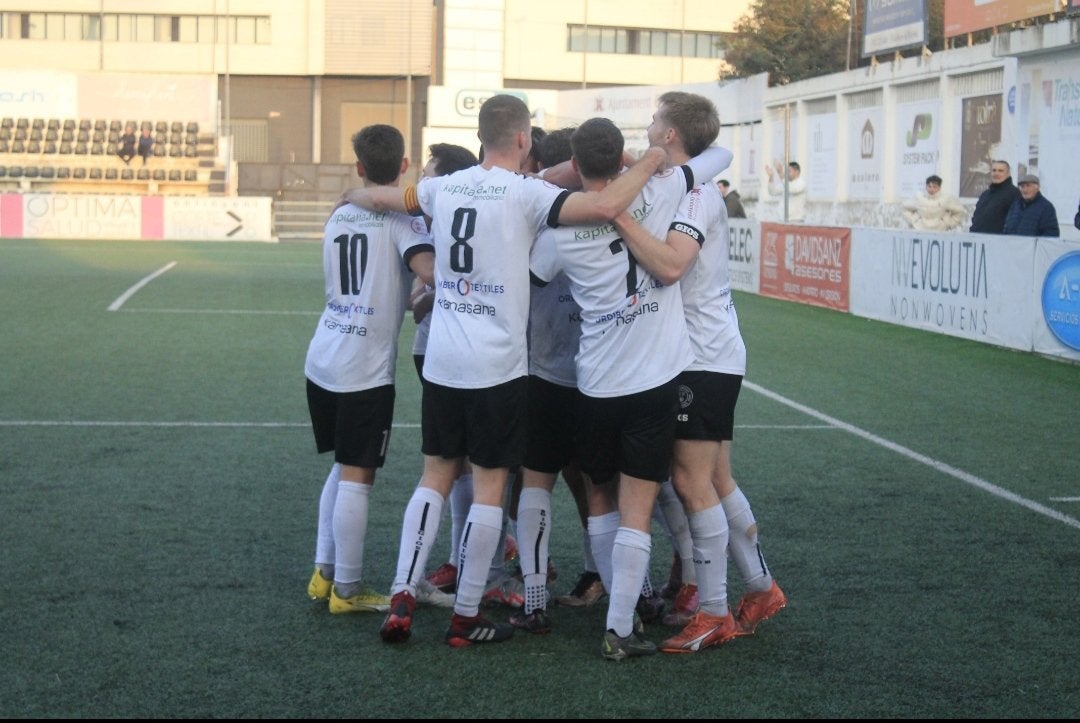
[(350, 529), (743, 543), (478, 542), (534, 532), (709, 528), (672, 512), (602, 531), (418, 531), (629, 561), (324, 539), (460, 502)]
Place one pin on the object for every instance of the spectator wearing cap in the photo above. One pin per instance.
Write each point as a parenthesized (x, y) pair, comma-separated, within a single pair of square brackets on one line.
[(993, 205), (1031, 214)]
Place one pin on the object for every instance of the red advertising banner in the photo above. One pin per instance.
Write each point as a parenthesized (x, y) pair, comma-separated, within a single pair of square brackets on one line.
[(809, 264), (967, 16)]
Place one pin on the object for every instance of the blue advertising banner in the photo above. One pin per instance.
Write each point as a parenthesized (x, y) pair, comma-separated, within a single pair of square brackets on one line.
[(893, 25)]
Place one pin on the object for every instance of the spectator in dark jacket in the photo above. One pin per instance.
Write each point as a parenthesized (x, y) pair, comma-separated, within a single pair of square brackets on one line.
[(731, 200), (1076, 221), (993, 205), (1032, 214)]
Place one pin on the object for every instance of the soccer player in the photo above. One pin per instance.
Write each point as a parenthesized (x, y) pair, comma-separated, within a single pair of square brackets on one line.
[(633, 345), (694, 254), (368, 260), (484, 221)]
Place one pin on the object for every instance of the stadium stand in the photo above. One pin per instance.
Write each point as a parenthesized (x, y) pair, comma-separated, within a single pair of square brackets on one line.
[(78, 155)]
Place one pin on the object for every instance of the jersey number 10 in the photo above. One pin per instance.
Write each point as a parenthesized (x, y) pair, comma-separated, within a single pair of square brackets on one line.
[(352, 278)]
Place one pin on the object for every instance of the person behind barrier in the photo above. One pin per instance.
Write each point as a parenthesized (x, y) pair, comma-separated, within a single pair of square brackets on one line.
[(1031, 214), (934, 210)]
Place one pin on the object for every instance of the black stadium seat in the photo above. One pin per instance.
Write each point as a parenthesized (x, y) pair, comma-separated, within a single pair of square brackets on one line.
[(111, 174), (78, 173), (193, 127), (127, 174), (31, 172), (191, 175), (48, 172), (63, 172), (15, 171), (95, 174), (143, 174), (159, 174), (176, 127), (175, 174)]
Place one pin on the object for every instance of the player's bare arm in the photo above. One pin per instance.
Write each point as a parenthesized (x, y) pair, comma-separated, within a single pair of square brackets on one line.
[(666, 260), (423, 265), (379, 198)]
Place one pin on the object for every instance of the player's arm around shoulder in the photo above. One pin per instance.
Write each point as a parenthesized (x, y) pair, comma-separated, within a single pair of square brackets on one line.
[(668, 259), (605, 205), (381, 199)]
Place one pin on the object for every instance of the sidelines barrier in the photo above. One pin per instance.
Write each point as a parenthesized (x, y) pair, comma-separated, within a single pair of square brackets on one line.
[(1011, 291), (149, 218)]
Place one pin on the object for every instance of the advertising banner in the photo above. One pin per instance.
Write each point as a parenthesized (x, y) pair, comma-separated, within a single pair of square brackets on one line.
[(821, 175), (893, 25), (118, 217), (866, 139), (973, 286), (980, 134), (917, 141), (1056, 284), (744, 249), (967, 16), (810, 264)]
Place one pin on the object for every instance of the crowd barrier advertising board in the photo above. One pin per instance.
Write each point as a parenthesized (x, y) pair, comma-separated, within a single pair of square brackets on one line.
[(974, 286), (744, 250), (809, 264), (1056, 282), (108, 217)]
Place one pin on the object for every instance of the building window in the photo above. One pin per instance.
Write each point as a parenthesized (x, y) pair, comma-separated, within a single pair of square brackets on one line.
[(123, 27), (642, 41)]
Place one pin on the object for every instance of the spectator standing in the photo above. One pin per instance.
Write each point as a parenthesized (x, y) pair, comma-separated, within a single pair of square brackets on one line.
[(1032, 214), (1076, 221), (993, 205), (934, 210), (731, 200), (146, 145), (796, 189)]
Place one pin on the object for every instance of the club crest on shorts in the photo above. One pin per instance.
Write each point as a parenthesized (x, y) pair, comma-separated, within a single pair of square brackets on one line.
[(686, 396)]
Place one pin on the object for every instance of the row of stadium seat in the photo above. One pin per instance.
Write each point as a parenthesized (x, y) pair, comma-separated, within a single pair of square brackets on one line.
[(162, 150), (98, 125), (71, 136), (98, 174)]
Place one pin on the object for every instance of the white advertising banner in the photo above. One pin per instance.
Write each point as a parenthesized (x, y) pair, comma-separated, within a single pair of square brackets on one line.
[(1056, 282), (821, 175), (81, 216), (237, 218), (38, 94), (744, 248), (866, 141), (917, 146), (974, 286)]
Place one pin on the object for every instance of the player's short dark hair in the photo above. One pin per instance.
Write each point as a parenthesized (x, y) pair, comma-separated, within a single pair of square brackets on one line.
[(693, 117), (724, 182), (501, 118), (379, 149), (450, 158), (538, 135), (555, 147), (796, 166), (934, 179), (598, 148)]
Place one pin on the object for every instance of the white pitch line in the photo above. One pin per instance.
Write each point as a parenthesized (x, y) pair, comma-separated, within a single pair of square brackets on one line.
[(130, 292), (929, 461), (305, 425), (1065, 499)]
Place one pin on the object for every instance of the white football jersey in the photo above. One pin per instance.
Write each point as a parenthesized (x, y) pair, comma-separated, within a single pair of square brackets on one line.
[(483, 223), (633, 335), (367, 290), (706, 287), (554, 332)]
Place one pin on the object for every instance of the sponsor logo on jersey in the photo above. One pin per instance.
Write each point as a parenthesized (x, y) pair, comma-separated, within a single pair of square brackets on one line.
[(464, 287)]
